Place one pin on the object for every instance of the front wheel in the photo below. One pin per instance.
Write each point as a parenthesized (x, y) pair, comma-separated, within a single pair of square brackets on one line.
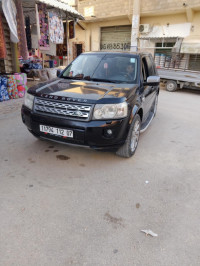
[(131, 143)]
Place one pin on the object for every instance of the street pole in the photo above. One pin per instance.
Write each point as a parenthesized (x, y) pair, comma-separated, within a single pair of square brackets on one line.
[(135, 25)]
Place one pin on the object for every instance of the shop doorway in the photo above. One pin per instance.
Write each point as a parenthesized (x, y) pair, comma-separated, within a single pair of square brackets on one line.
[(79, 49)]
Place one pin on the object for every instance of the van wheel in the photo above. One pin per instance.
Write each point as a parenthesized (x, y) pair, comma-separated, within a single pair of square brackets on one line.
[(131, 143), (171, 85)]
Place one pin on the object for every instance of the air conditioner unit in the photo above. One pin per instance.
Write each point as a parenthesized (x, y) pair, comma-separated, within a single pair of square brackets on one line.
[(144, 28)]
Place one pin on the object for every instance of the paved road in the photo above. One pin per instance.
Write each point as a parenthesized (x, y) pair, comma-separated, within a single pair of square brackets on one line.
[(89, 208)]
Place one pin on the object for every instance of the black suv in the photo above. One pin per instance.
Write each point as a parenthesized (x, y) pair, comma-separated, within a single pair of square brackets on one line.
[(102, 100)]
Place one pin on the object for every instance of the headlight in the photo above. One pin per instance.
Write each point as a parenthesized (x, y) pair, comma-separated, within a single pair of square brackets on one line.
[(28, 101), (110, 111)]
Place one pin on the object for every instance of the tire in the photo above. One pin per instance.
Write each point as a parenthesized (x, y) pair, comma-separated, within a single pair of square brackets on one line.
[(128, 149), (171, 85)]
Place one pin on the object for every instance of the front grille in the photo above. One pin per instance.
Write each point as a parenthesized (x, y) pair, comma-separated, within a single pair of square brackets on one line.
[(68, 110)]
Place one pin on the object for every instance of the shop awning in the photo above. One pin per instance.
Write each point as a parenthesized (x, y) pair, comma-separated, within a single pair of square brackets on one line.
[(167, 31), (58, 4), (62, 4), (190, 46)]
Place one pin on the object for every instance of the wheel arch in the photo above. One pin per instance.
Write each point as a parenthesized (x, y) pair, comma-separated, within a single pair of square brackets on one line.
[(136, 110)]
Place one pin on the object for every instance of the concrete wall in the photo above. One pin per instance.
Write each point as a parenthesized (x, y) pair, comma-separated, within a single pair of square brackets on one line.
[(106, 13), (167, 6), (195, 31), (92, 33), (106, 9)]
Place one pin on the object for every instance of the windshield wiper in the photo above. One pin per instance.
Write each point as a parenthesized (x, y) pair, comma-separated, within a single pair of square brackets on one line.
[(103, 80), (64, 77), (91, 79)]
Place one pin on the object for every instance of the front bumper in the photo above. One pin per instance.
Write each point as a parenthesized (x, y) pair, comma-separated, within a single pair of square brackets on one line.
[(92, 133)]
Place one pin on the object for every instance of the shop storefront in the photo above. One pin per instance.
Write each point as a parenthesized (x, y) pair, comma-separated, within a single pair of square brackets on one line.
[(116, 38), (172, 47), (34, 42)]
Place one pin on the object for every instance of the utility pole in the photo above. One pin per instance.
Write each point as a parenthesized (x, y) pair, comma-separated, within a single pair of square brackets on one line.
[(135, 25)]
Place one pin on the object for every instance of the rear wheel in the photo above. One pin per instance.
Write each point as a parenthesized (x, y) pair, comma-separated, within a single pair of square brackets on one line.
[(171, 85), (131, 143)]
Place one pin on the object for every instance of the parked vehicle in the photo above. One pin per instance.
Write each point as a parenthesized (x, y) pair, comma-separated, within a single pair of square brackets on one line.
[(182, 78), (101, 100)]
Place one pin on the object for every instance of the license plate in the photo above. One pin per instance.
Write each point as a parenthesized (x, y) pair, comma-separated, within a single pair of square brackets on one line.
[(57, 131)]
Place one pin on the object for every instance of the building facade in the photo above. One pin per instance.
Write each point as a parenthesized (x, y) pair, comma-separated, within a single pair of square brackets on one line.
[(165, 27)]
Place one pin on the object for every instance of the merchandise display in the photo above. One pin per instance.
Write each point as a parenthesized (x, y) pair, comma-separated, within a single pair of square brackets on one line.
[(3, 89), (13, 86), (56, 29), (44, 27)]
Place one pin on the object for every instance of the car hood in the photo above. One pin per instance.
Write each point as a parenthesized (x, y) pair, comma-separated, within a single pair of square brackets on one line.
[(88, 91)]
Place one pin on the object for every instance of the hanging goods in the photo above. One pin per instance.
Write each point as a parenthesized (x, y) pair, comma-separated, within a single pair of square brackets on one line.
[(2, 40), (22, 45), (9, 10), (43, 26), (56, 29)]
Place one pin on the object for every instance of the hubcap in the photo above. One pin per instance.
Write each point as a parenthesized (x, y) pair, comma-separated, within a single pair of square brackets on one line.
[(135, 136), (170, 86)]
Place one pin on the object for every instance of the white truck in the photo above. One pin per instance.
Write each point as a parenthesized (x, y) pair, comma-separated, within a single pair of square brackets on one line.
[(177, 78)]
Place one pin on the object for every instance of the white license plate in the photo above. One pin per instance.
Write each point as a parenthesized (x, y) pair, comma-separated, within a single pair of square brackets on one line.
[(57, 131)]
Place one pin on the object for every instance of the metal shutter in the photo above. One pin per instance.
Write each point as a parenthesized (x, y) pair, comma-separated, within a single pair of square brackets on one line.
[(116, 38)]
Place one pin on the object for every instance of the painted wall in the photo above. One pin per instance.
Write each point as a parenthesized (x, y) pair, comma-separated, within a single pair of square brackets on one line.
[(149, 7), (91, 36), (105, 8), (195, 32), (119, 12)]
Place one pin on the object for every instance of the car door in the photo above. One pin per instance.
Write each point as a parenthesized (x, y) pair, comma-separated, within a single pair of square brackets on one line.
[(147, 90), (152, 72)]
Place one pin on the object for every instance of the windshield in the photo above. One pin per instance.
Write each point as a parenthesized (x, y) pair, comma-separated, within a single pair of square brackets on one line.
[(100, 67)]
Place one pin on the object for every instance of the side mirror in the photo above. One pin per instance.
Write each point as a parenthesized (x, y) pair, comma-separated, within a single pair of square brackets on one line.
[(59, 72), (152, 81)]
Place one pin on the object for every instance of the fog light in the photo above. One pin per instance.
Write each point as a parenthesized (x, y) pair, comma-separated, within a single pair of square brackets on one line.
[(109, 132)]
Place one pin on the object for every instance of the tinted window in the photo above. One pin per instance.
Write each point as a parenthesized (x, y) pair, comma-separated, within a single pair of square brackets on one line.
[(150, 66)]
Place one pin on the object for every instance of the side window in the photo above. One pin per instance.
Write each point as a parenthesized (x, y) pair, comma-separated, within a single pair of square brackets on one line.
[(145, 72), (150, 66)]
